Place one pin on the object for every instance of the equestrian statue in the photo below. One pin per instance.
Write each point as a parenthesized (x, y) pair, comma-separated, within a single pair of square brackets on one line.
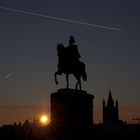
[(69, 63)]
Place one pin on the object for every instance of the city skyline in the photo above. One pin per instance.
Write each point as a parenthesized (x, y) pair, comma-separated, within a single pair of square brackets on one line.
[(28, 56)]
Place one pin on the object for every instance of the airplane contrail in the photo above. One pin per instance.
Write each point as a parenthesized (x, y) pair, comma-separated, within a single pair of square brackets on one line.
[(60, 19), (8, 75)]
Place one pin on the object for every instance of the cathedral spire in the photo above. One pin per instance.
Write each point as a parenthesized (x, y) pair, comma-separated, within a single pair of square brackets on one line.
[(110, 101), (111, 110)]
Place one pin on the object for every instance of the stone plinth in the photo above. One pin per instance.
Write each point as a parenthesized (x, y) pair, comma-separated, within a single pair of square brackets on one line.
[(72, 107)]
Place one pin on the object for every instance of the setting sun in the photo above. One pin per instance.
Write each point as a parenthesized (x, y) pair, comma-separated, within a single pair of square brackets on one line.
[(44, 119)]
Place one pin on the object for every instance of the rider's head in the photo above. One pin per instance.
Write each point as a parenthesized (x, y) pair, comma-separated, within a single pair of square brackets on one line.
[(71, 40)]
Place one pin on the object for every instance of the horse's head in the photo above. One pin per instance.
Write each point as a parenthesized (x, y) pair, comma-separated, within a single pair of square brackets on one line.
[(60, 48)]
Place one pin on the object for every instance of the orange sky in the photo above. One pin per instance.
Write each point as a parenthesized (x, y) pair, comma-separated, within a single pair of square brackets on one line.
[(11, 114), (17, 113)]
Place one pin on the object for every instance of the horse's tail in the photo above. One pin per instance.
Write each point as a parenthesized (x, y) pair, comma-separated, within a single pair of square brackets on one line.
[(83, 72), (84, 76)]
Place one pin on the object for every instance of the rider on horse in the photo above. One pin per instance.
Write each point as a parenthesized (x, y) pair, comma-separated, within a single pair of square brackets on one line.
[(72, 53), (69, 63)]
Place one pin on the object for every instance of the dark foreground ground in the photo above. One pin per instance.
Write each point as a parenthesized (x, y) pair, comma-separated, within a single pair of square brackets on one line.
[(50, 132)]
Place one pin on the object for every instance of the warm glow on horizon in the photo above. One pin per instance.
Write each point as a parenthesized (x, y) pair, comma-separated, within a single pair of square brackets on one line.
[(44, 119)]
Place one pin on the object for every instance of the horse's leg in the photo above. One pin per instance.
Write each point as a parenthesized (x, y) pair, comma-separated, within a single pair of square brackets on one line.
[(80, 87), (55, 75), (76, 86), (67, 80), (77, 78)]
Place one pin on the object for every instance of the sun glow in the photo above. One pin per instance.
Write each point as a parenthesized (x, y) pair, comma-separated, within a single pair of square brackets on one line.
[(44, 119)]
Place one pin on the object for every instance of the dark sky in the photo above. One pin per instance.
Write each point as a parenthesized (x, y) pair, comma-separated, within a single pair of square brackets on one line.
[(28, 56)]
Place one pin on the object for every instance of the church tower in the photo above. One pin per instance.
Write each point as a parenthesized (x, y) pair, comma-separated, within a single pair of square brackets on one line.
[(110, 110)]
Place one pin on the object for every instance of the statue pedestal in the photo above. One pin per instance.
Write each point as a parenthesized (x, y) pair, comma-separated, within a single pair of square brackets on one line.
[(71, 114), (72, 107)]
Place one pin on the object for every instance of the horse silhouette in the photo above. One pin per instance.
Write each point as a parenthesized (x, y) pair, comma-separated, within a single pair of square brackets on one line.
[(76, 68)]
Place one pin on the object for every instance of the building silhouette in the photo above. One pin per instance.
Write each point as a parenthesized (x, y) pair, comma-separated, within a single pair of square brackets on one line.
[(110, 110)]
